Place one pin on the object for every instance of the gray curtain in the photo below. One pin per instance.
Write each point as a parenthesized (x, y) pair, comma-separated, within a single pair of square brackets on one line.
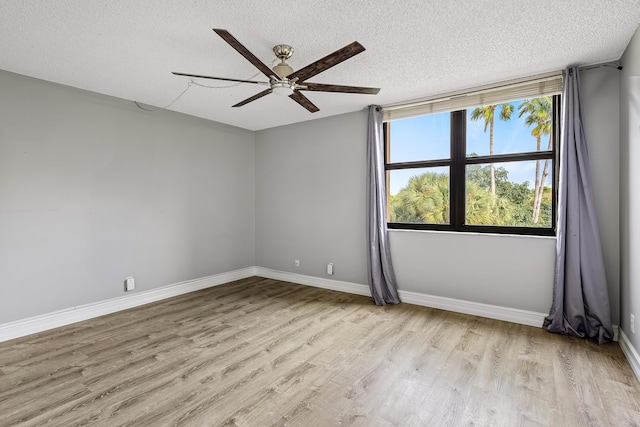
[(382, 280), (580, 297)]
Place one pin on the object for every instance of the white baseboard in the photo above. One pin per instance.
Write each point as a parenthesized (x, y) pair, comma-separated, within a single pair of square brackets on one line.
[(513, 315), (56, 319), (630, 353), (318, 282)]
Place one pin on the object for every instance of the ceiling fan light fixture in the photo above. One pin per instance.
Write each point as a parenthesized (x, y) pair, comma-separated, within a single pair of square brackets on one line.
[(282, 88), (282, 70)]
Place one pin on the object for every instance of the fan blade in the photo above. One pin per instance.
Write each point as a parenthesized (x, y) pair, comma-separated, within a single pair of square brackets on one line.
[(253, 98), (220, 78), (304, 101), (327, 62), (244, 52), (319, 87)]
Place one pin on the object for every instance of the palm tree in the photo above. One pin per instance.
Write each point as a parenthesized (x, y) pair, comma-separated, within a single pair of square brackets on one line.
[(540, 113), (425, 199), (478, 205), (486, 112)]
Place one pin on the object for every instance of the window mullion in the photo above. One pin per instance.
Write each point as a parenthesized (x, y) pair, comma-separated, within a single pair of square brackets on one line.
[(419, 164), (458, 153)]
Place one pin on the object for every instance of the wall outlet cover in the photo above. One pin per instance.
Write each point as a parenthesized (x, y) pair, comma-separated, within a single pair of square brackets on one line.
[(129, 283)]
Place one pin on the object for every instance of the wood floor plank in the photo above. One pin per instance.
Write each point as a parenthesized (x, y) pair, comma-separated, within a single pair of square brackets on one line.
[(259, 352)]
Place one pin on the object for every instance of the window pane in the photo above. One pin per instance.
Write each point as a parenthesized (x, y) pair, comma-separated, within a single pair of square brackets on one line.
[(419, 196), (519, 126), (420, 138), (515, 202)]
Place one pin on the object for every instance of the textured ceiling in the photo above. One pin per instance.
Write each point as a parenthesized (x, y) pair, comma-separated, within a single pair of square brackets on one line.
[(128, 48)]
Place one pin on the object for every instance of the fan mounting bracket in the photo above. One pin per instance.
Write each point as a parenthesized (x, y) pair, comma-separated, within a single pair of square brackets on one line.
[(283, 51)]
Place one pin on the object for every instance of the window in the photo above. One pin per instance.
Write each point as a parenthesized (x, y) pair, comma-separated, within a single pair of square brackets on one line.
[(482, 168)]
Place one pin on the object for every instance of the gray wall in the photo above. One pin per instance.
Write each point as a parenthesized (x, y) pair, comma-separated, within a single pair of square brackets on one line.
[(601, 117), (93, 189), (630, 189), (310, 197), (310, 193), (508, 271)]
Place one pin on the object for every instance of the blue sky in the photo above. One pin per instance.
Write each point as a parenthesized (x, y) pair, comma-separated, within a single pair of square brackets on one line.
[(427, 138)]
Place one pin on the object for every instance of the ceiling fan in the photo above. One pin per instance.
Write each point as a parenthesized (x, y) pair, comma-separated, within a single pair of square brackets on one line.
[(283, 80)]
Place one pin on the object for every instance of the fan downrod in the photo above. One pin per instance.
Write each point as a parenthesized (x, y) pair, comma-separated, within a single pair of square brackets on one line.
[(283, 52)]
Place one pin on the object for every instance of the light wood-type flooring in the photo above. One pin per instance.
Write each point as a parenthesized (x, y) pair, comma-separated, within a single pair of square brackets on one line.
[(260, 352)]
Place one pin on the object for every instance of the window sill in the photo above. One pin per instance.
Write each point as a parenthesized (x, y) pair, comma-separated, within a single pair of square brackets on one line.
[(470, 233)]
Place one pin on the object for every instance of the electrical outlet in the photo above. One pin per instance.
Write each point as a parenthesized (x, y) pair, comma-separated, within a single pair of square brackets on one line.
[(632, 321), (297, 263), (129, 283), (330, 269)]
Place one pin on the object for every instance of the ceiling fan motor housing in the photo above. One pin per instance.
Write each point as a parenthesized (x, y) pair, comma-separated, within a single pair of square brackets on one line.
[(283, 52), (282, 70)]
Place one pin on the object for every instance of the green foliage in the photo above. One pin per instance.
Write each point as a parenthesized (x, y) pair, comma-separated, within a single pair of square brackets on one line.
[(482, 175), (425, 199)]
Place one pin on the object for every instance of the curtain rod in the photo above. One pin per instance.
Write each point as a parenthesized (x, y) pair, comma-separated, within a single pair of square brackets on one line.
[(613, 64), (443, 97), (471, 91)]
